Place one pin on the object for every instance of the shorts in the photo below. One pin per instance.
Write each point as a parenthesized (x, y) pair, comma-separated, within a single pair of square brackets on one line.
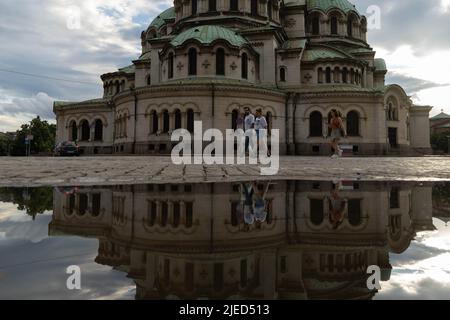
[(336, 134)]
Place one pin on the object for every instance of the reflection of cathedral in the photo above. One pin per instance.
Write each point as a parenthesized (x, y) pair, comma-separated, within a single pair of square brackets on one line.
[(186, 241)]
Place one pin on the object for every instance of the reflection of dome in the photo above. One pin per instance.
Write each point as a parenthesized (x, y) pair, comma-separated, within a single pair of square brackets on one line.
[(208, 35), (160, 20), (327, 5)]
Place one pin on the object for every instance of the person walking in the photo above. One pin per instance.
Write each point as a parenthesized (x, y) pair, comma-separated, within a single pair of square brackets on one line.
[(261, 131), (249, 124), (337, 132)]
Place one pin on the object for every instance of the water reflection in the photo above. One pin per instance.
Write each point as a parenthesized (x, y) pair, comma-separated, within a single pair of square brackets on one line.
[(271, 240)]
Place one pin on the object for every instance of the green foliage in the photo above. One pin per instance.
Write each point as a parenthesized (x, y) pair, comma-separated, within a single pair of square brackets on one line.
[(4, 144), (440, 141), (44, 138), (34, 200)]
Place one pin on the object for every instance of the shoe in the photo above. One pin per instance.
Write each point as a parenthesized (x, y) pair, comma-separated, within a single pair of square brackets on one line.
[(334, 156)]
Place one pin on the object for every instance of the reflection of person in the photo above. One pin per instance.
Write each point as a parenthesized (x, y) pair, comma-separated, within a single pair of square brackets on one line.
[(253, 197), (248, 191), (260, 208), (337, 207), (337, 132)]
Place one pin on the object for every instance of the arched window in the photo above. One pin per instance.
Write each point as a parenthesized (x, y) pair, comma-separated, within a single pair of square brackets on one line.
[(96, 204), (234, 5), (73, 131), (270, 9), (98, 135), (316, 26), (117, 87), (154, 122), (354, 212), (320, 75), (254, 8), (350, 27), (177, 119), (283, 74), (149, 80), (192, 62), (212, 5), (171, 62), (151, 213), (316, 124), (234, 119), (334, 25), (82, 204), (316, 211), (220, 62), (328, 75), (190, 120), (352, 76), (194, 7), (336, 75), (85, 131), (166, 121), (244, 66), (353, 124), (345, 75)]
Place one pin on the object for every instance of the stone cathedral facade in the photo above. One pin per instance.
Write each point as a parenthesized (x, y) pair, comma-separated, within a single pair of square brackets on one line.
[(206, 60)]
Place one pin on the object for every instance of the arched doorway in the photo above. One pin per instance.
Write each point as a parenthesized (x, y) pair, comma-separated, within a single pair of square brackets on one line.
[(85, 131), (98, 135)]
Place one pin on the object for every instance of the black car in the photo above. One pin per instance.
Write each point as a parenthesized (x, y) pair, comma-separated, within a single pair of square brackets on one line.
[(66, 148)]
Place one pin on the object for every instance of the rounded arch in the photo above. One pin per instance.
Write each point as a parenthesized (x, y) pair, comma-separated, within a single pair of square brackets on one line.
[(314, 22), (252, 107), (165, 121), (177, 119), (192, 61), (315, 124), (353, 123), (73, 131), (85, 130), (220, 61), (98, 129)]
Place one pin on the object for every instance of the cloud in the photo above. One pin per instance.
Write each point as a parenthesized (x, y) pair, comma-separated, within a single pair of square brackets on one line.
[(40, 40), (423, 24)]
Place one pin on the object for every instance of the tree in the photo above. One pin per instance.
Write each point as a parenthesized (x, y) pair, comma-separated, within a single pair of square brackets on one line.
[(439, 141), (43, 137), (34, 201)]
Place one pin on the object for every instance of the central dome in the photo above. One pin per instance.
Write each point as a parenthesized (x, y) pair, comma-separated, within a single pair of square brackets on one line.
[(326, 5), (209, 34)]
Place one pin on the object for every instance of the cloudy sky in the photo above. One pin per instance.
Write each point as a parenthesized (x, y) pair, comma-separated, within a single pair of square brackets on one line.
[(43, 38)]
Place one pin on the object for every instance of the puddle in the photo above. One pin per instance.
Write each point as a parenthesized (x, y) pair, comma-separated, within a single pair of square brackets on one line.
[(251, 240)]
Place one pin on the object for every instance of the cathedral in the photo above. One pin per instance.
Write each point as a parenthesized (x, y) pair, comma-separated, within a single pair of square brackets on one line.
[(207, 60)]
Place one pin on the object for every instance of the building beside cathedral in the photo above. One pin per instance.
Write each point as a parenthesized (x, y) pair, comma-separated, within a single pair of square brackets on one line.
[(206, 60)]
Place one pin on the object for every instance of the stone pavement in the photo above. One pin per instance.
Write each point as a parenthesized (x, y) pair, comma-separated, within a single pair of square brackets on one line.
[(88, 171)]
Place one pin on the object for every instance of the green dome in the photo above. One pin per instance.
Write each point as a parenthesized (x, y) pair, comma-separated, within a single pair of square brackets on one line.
[(326, 5), (209, 34), (160, 20)]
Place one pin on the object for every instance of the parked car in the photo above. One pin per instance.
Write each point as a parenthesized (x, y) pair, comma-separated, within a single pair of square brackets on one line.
[(67, 148)]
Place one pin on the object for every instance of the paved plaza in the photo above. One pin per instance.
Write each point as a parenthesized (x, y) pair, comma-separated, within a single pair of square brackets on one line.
[(84, 171)]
